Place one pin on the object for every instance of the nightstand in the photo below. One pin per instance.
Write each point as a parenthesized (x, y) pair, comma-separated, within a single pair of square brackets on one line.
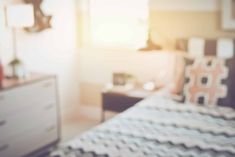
[(118, 99)]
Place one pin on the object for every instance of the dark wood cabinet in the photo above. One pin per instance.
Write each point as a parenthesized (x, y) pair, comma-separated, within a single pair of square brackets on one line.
[(119, 101)]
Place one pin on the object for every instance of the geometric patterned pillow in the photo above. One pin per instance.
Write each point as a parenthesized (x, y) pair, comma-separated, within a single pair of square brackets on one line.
[(209, 81)]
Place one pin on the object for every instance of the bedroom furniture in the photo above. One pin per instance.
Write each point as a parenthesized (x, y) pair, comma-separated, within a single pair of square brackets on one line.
[(200, 47), (118, 99), (18, 16), (159, 127), (29, 121)]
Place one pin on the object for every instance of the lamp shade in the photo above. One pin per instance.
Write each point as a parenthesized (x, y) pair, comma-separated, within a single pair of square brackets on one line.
[(19, 16)]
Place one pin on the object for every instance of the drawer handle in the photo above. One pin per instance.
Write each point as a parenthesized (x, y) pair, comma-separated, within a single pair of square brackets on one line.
[(47, 84), (2, 97), (49, 106), (2, 122), (51, 128), (4, 147)]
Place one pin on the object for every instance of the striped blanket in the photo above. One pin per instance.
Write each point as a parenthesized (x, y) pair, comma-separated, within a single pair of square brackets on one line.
[(159, 127)]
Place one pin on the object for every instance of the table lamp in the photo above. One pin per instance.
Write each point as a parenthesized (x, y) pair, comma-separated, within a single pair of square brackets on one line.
[(18, 16)]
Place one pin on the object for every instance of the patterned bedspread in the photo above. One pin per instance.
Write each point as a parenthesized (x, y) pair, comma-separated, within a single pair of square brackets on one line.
[(159, 127)]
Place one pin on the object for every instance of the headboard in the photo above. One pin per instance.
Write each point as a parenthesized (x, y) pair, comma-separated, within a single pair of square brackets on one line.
[(224, 48), (199, 48)]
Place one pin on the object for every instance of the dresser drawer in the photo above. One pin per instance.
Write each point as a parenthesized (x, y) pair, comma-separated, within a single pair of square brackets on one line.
[(30, 95), (2, 122), (44, 91), (28, 116), (28, 119), (32, 140)]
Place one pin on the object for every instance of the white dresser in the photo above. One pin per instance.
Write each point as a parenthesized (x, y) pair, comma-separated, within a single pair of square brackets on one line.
[(29, 120)]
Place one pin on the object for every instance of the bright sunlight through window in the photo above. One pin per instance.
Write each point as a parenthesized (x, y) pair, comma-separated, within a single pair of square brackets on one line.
[(119, 23)]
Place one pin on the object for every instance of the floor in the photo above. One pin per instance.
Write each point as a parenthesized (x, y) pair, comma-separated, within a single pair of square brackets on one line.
[(86, 119)]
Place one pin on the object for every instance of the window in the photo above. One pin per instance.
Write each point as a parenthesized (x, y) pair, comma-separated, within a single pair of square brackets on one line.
[(119, 23)]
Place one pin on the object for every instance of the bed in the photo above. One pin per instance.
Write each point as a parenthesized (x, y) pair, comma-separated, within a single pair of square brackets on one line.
[(159, 127), (202, 124)]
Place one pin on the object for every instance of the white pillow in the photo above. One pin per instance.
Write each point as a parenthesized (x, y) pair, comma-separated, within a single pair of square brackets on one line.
[(225, 48), (196, 47)]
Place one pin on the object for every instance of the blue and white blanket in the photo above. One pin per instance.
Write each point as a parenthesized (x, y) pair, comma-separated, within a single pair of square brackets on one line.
[(159, 127)]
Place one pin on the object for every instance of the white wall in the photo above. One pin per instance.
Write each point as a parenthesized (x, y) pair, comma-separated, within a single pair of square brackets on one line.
[(97, 66), (106, 61), (52, 51)]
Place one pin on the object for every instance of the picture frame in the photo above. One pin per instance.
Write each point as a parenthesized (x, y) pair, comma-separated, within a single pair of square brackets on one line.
[(122, 79), (228, 14), (119, 79)]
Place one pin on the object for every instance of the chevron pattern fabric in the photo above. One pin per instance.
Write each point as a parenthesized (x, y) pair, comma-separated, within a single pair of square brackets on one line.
[(159, 127)]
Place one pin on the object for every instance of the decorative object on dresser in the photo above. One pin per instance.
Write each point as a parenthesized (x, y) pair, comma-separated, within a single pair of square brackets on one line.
[(29, 119), (228, 14), (18, 16)]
